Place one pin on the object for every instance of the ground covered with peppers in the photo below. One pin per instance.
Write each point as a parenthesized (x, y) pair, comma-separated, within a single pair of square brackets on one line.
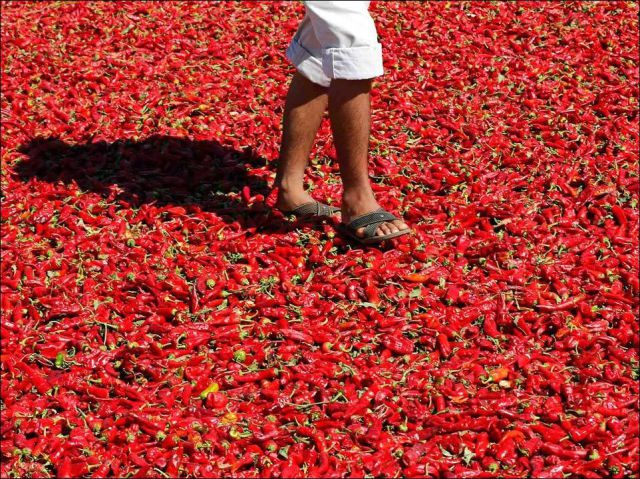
[(156, 321)]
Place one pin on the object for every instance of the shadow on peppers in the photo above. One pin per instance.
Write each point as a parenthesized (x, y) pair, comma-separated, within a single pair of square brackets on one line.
[(160, 170)]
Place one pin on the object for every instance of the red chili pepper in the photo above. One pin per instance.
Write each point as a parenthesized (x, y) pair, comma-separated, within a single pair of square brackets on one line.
[(398, 344), (443, 344), (490, 327), (482, 444), (551, 434), (173, 466), (41, 384), (561, 306), (371, 292), (296, 335), (558, 450), (102, 470), (257, 376), (417, 277), (64, 470)]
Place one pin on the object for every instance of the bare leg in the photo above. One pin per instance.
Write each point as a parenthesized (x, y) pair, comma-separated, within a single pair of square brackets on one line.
[(304, 108), (350, 113)]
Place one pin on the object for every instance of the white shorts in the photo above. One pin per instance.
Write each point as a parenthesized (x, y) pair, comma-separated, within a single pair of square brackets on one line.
[(336, 39)]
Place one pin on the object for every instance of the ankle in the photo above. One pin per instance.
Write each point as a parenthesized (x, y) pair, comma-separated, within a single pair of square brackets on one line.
[(358, 194), (287, 186), (291, 196), (357, 201)]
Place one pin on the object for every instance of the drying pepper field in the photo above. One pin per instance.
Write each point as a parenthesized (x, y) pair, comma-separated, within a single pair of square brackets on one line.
[(158, 322)]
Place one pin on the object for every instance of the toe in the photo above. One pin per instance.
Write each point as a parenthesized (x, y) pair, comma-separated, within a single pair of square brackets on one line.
[(401, 225), (384, 229)]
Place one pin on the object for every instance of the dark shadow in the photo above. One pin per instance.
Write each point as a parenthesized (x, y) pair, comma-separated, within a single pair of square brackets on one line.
[(159, 170)]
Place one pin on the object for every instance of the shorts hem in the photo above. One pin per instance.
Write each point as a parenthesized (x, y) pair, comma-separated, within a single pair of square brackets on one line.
[(308, 65)]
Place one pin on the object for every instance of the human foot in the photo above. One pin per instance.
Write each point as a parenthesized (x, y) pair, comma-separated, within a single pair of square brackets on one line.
[(356, 205), (300, 203), (368, 223), (290, 199)]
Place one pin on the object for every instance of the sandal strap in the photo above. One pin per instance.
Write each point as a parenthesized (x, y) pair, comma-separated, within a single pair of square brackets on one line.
[(306, 209), (371, 221), (325, 210), (314, 208), (370, 230)]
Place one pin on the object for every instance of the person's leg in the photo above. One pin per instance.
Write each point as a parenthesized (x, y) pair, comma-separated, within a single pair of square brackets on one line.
[(350, 114), (305, 105)]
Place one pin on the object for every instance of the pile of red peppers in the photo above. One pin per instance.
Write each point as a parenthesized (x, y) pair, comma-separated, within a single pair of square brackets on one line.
[(158, 322)]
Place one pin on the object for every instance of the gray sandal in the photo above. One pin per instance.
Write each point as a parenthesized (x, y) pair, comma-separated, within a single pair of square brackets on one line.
[(312, 209), (371, 221)]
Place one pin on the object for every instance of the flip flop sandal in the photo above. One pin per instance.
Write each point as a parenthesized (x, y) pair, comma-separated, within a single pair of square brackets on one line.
[(370, 222), (312, 209)]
